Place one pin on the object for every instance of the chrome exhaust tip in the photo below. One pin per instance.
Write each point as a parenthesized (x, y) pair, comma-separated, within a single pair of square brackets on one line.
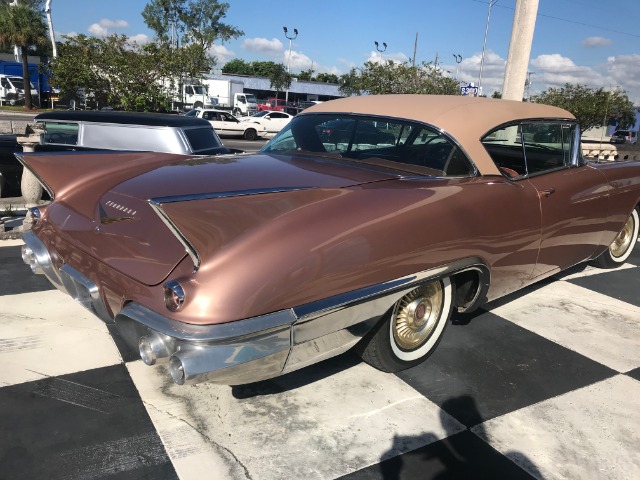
[(153, 347), (176, 368)]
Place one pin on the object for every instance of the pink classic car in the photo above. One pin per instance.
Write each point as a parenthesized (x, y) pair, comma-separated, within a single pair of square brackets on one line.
[(364, 223)]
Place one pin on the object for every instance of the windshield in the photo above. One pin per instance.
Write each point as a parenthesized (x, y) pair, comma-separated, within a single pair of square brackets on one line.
[(251, 98), (261, 114), (17, 82), (394, 143), (191, 113), (199, 90)]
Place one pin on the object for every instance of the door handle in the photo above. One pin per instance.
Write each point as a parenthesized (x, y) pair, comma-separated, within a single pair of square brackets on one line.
[(547, 192)]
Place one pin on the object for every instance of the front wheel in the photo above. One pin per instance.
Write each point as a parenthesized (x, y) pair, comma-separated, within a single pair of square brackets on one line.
[(250, 134), (622, 246), (412, 329)]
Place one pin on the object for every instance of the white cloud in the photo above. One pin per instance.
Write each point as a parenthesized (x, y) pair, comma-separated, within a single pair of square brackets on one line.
[(555, 70), (140, 39), (591, 42), (299, 61), (101, 29), (98, 30), (624, 71), (222, 53), (379, 57), (262, 45)]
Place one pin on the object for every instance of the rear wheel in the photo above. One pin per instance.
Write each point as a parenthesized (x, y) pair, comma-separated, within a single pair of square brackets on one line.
[(250, 134), (412, 329), (622, 246)]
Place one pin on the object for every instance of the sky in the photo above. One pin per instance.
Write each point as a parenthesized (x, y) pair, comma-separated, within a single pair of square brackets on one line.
[(591, 42)]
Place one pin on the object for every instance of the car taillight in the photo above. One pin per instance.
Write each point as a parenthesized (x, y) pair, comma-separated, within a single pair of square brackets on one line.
[(173, 295)]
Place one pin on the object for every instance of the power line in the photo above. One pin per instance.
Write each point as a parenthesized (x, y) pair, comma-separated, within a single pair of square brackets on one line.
[(568, 21)]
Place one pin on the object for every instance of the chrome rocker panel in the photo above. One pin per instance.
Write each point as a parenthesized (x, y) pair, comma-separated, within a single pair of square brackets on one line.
[(251, 349)]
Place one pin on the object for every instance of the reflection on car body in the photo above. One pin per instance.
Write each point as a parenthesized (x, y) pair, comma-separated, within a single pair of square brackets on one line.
[(364, 223)]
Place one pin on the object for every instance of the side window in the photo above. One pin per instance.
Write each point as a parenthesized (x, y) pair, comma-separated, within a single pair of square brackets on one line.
[(61, 133), (547, 146), (504, 146)]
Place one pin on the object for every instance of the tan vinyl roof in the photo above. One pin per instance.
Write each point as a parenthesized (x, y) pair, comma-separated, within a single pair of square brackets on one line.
[(466, 119)]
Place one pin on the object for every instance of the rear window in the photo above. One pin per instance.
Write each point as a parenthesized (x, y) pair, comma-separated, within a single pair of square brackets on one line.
[(202, 138), (398, 144), (63, 133)]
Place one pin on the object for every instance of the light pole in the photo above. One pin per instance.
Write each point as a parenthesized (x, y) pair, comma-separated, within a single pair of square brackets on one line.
[(458, 60), (484, 46), (381, 50), (291, 39)]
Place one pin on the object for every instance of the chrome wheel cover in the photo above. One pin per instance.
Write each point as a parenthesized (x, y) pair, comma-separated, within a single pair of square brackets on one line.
[(416, 315), (624, 239)]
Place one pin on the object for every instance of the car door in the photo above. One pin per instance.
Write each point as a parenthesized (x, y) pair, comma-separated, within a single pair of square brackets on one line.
[(230, 124), (573, 195), (276, 122)]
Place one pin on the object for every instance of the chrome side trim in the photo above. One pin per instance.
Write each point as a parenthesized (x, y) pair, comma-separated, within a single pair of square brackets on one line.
[(230, 193), (337, 302), (191, 251)]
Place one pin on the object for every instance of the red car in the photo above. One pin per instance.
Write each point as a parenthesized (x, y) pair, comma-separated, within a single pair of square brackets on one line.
[(364, 223)]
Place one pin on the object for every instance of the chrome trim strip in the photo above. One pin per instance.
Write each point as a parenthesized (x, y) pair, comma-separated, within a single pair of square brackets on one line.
[(191, 251), (230, 193), (209, 334), (328, 305)]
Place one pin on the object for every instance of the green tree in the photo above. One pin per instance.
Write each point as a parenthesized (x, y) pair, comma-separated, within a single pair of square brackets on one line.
[(280, 79), (327, 78), (264, 69), (400, 78), (591, 107), (196, 22), (113, 71), (23, 25), (238, 66), (306, 75)]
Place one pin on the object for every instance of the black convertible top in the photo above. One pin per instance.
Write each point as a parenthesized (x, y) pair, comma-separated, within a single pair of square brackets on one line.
[(129, 118)]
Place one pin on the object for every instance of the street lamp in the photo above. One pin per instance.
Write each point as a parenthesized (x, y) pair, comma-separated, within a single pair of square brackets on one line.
[(484, 47), (458, 60), (378, 47), (295, 35)]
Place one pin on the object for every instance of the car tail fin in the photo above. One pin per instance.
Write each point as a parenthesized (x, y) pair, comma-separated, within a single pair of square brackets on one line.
[(89, 174)]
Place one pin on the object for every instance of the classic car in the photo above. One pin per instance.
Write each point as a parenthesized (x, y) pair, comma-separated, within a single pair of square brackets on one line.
[(241, 268), (77, 130), (273, 122), (226, 125)]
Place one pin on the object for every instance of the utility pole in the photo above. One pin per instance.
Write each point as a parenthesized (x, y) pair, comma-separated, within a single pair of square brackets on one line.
[(47, 10), (524, 22), (415, 49)]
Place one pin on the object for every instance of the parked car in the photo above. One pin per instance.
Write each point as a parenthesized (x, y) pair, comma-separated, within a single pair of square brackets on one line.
[(240, 268), (109, 130), (226, 125), (273, 122), (624, 136)]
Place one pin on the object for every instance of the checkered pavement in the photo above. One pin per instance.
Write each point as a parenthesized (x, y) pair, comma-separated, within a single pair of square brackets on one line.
[(542, 384)]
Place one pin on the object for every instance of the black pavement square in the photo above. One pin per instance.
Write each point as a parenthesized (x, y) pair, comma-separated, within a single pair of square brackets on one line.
[(635, 373), (620, 284), (89, 424), (16, 277), (486, 366), (460, 456)]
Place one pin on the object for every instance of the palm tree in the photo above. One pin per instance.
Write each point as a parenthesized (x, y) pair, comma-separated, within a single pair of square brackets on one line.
[(22, 25)]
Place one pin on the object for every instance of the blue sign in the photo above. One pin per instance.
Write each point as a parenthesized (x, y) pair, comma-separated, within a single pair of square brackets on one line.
[(469, 90)]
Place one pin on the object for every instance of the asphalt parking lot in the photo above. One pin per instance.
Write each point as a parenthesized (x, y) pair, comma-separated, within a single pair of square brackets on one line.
[(542, 384)]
